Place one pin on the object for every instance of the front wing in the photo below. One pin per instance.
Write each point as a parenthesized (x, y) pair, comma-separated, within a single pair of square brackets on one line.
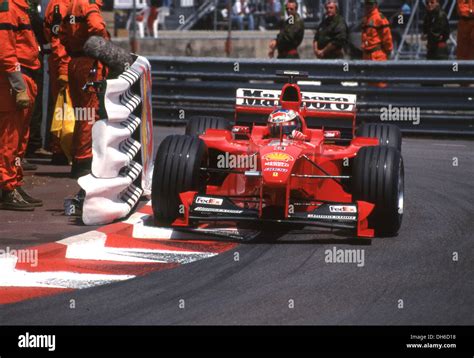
[(209, 208)]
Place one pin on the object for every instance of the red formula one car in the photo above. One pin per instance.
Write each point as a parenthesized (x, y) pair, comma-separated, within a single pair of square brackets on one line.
[(283, 171)]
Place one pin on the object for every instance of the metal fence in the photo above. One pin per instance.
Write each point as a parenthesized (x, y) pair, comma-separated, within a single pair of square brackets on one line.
[(185, 86)]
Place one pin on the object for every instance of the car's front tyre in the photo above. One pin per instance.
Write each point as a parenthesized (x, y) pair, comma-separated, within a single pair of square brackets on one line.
[(378, 178), (177, 169)]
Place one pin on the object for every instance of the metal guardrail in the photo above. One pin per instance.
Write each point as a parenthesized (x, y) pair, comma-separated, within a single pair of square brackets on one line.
[(185, 86)]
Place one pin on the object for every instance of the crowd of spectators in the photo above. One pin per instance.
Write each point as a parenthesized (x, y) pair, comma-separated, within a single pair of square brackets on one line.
[(258, 14)]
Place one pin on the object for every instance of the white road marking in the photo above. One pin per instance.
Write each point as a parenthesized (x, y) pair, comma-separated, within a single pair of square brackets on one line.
[(142, 231), (90, 235), (7, 263), (93, 248), (135, 218), (12, 277), (57, 279)]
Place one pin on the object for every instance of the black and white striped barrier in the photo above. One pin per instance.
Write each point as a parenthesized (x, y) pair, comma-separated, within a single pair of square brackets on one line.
[(122, 146)]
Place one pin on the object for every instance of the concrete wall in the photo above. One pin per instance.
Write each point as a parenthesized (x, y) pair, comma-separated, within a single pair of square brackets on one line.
[(245, 44)]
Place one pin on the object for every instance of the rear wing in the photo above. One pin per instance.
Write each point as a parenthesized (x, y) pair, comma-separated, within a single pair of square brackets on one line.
[(318, 108), (337, 104)]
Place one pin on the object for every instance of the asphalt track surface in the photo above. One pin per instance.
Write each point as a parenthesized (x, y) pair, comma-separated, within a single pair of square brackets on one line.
[(282, 278)]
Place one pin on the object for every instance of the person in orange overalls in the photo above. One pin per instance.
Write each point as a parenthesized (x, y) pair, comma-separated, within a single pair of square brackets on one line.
[(18, 63), (465, 50), (376, 35), (58, 62), (83, 20)]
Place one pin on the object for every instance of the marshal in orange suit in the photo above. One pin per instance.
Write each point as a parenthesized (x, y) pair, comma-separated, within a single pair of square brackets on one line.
[(18, 63), (376, 35), (465, 49), (83, 20)]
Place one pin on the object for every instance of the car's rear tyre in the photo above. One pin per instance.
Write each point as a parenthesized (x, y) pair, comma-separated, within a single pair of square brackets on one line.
[(177, 169), (387, 134), (197, 125), (378, 177)]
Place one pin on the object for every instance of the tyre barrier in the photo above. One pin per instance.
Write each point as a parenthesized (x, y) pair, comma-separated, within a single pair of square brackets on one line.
[(122, 147)]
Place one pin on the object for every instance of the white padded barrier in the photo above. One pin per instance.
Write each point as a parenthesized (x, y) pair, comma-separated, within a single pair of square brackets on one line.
[(120, 102), (116, 148), (118, 180)]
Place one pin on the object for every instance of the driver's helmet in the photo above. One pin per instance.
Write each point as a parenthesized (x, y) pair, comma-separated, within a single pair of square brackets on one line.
[(286, 120)]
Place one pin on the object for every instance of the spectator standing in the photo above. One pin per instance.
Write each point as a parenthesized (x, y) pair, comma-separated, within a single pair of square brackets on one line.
[(83, 20), (436, 31), (18, 63), (291, 34), (465, 50), (331, 35), (240, 12), (376, 35)]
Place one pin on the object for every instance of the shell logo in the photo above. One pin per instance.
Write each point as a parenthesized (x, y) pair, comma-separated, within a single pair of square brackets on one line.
[(277, 156)]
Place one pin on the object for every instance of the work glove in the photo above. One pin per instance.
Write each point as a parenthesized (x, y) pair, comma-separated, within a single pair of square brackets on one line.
[(18, 86), (22, 99)]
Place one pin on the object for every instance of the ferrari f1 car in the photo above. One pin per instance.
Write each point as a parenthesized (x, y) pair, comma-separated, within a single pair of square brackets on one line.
[(283, 171)]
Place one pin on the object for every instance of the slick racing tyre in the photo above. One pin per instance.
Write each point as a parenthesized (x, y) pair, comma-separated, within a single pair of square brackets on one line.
[(387, 134), (177, 169), (378, 178), (197, 125)]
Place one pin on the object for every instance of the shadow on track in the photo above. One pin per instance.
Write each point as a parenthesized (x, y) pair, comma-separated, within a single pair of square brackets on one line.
[(284, 235)]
